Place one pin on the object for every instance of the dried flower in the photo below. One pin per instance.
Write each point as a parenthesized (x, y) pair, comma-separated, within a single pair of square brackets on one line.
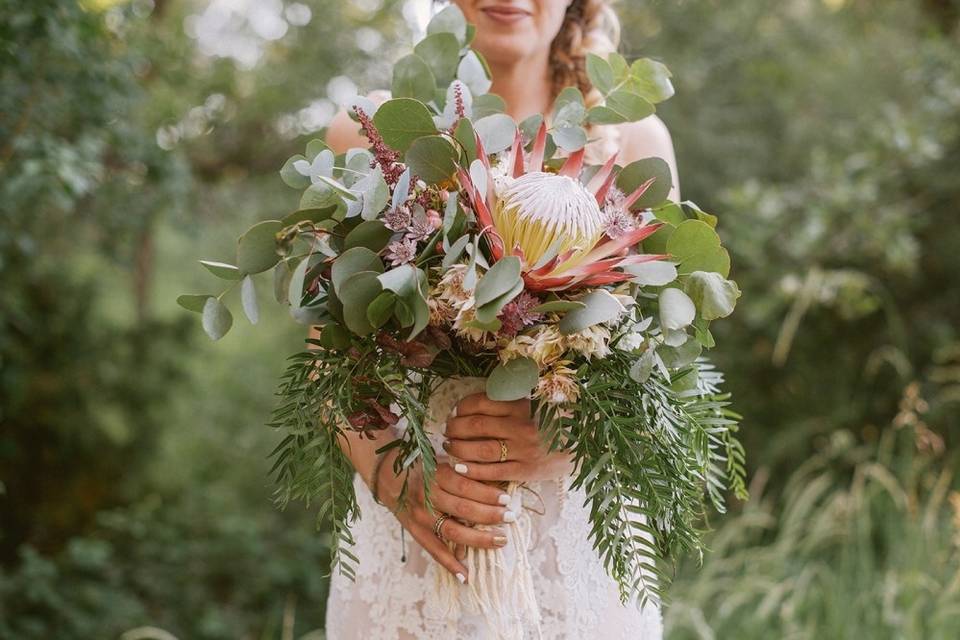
[(401, 252), (558, 385), (387, 158), (544, 346), (592, 342), (397, 218), (518, 314), (450, 288)]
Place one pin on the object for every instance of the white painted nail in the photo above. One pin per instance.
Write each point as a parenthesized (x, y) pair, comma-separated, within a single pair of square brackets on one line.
[(504, 499), (462, 469), (462, 578), (453, 412), (509, 516)]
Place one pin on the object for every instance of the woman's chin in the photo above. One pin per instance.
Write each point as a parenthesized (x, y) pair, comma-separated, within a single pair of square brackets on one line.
[(505, 49)]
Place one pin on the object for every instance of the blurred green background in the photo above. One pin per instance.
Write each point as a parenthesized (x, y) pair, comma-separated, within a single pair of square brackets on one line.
[(134, 135)]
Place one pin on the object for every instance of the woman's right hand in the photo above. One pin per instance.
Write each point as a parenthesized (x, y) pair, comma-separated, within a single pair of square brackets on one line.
[(451, 493)]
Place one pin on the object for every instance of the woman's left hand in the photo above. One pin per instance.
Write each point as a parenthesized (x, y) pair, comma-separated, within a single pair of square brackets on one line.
[(478, 426)]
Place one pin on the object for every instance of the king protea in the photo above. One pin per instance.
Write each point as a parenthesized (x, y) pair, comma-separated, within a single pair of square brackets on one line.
[(552, 221)]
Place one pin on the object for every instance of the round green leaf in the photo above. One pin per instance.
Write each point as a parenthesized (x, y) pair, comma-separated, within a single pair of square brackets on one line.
[(473, 72), (412, 78), (217, 319), (513, 380), (449, 20), (403, 120), (632, 106), (257, 248), (433, 158), (600, 306), (193, 301), (356, 294), (696, 247), (291, 177), (570, 138), (222, 270), (714, 295), (467, 138), (652, 274), (601, 114), (676, 309), (636, 173), (353, 261), (372, 234), (487, 105), (496, 132), (651, 79), (600, 73), (501, 278), (441, 51), (381, 308), (333, 336), (681, 356)]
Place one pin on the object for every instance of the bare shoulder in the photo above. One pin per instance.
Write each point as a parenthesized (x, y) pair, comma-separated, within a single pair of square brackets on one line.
[(344, 133), (647, 138)]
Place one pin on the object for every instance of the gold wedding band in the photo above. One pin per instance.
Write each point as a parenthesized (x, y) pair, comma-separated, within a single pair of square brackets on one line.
[(438, 525), (503, 450)]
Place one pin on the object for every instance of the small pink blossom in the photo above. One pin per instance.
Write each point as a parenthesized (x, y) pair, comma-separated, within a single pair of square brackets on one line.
[(518, 313), (397, 219), (401, 252)]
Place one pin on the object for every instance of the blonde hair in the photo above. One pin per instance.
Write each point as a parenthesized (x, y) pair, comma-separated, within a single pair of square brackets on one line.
[(590, 26)]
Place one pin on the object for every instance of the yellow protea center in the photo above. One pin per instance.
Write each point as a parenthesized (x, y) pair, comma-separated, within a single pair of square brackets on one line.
[(539, 209)]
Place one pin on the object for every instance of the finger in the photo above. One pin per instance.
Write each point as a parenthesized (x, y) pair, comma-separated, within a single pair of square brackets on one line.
[(485, 450), (469, 537), (496, 471), (438, 550), (479, 425), (470, 510), (454, 483), (480, 403), (460, 552)]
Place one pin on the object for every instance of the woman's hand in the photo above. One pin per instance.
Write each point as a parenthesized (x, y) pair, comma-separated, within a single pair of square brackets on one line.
[(453, 494), (474, 434)]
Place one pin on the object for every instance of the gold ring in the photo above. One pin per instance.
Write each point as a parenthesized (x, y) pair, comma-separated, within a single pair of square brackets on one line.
[(438, 525), (503, 450)]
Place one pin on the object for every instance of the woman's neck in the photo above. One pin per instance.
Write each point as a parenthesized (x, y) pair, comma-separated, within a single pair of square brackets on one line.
[(525, 85)]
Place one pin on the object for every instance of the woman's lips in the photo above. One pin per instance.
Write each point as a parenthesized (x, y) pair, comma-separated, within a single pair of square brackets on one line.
[(505, 15)]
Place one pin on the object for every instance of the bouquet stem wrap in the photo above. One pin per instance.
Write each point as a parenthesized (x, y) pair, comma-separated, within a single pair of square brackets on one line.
[(500, 585)]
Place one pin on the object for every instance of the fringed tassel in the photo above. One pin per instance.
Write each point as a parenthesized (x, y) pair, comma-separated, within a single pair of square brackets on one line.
[(500, 587)]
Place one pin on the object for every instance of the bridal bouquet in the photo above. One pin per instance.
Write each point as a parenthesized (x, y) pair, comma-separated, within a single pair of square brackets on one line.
[(461, 243)]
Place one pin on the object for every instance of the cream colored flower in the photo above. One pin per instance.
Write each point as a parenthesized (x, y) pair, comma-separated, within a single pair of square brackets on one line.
[(442, 312), (465, 315), (592, 342), (544, 344), (450, 288), (558, 385)]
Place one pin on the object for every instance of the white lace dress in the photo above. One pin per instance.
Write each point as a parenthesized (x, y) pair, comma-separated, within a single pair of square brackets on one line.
[(394, 600)]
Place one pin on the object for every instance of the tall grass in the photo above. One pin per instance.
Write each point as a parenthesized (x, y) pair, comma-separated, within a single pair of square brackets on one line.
[(863, 543)]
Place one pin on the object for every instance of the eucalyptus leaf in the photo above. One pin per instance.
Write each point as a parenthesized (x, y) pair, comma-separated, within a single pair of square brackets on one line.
[(696, 247), (570, 138), (473, 73), (486, 105), (456, 249), (513, 381), (500, 279), (295, 288), (222, 270), (632, 106), (600, 306), (651, 79), (714, 295), (291, 177), (372, 234), (676, 309), (441, 52), (402, 120), (193, 301), (248, 298), (257, 248), (600, 73), (412, 78), (466, 136), (356, 294), (432, 158), (558, 306), (353, 261), (381, 309), (680, 356), (217, 319), (449, 20), (652, 274), (496, 131), (636, 173)]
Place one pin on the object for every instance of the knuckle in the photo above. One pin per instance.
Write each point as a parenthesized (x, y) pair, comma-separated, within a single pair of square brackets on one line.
[(489, 451), (476, 423)]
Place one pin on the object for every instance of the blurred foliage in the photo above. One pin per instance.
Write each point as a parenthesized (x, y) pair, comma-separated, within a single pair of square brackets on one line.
[(133, 484)]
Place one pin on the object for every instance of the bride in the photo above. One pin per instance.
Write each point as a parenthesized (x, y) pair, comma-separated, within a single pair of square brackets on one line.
[(534, 48)]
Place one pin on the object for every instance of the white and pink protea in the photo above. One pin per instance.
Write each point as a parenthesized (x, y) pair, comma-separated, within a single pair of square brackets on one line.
[(552, 221)]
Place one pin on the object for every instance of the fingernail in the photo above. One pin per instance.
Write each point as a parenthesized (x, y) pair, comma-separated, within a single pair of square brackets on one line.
[(462, 578), (504, 498), (500, 541), (462, 469), (509, 516), (453, 414), (446, 444)]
